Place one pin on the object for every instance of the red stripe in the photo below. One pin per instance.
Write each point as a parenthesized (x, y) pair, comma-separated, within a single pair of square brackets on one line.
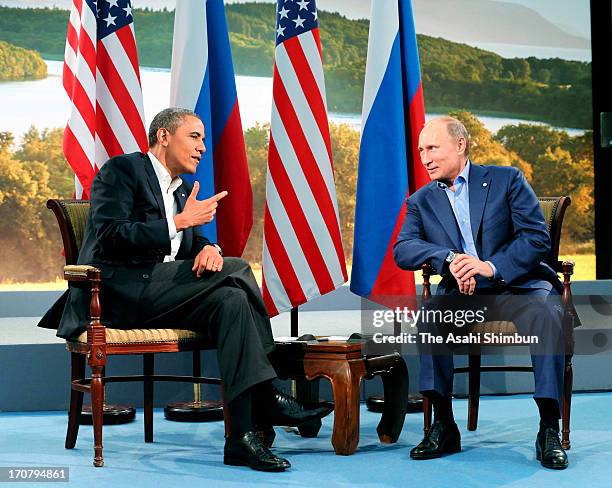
[(299, 221), (268, 302), (281, 261), (316, 34), (393, 286), (72, 38), (122, 97), (86, 39), (309, 165), (310, 88), (78, 159), (107, 134), (81, 101), (417, 174), (128, 42), (231, 173)]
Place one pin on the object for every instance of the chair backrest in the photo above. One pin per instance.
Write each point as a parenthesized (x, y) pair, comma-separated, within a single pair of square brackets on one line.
[(553, 209), (71, 217)]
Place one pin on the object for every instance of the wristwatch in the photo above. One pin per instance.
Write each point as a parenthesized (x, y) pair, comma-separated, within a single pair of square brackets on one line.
[(450, 257), (216, 246)]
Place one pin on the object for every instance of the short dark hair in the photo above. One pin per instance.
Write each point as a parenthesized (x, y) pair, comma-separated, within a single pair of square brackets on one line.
[(169, 119)]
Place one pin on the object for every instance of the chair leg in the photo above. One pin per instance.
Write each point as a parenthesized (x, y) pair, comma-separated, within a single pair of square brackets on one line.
[(148, 368), (567, 403), (77, 362), (427, 409), (474, 391), (226, 418), (97, 409)]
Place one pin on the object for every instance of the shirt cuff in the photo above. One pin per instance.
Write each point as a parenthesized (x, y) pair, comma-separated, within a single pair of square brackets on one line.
[(494, 269), (171, 228)]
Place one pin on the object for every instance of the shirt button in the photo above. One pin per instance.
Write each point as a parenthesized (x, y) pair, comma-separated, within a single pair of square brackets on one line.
[(146, 276)]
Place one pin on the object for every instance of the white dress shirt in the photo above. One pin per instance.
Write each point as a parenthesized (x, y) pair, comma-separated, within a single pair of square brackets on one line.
[(168, 185)]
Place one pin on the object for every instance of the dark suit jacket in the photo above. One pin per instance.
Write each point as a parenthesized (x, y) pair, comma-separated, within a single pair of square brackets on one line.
[(126, 235), (507, 225)]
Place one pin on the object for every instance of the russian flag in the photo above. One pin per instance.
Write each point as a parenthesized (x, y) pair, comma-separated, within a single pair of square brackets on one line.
[(389, 163), (203, 81)]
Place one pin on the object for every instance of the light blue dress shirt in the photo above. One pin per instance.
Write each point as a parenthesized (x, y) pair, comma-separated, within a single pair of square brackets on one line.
[(460, 203)]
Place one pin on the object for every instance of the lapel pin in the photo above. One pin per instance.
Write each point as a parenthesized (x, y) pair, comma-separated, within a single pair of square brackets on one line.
[(484, 184), (183, 195)]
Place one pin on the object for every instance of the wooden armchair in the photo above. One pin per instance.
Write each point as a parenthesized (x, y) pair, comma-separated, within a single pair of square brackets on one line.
[(553, 209), (99, 342)]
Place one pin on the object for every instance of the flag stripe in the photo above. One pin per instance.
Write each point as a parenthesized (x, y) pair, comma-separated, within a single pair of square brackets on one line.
[(290, 284), (101, 78), (112, 82), (284, 164), (318, 183), (308, 243), (308, 84), (303, 254)]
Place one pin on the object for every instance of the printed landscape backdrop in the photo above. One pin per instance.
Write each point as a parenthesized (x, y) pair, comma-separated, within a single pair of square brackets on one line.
[(517, 72)]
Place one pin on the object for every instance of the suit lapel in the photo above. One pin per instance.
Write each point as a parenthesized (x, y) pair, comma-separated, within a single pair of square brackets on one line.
[(444, 213), (154, 184), (180, 196), (480, 182)]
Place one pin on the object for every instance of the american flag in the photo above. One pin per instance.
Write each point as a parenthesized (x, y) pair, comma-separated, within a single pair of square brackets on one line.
[(102, 80), (303, 256)]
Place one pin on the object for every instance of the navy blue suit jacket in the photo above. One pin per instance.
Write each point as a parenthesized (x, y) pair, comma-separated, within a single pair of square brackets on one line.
[(508, 227)]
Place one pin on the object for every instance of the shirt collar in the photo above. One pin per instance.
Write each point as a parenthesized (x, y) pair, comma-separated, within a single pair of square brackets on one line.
[(166, 182), (462, 177)]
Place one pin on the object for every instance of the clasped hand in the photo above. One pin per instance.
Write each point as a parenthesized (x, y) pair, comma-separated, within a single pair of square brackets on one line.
[(197, 212), (465, 268)]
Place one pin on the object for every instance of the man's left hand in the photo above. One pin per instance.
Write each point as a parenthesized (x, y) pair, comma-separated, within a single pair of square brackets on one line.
[(208, 259), (465, 267)]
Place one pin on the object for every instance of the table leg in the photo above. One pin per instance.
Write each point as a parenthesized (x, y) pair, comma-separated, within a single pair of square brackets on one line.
[(345, 377)]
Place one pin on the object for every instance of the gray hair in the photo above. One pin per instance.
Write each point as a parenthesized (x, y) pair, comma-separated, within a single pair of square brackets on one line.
[(456, 130), (169, 119)]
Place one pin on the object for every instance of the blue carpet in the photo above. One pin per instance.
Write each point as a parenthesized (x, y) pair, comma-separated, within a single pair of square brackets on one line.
[(499, 453)]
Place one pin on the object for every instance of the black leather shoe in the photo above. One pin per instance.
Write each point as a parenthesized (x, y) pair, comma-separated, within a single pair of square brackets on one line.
[(441, 439), (286, 410), (247, 450), (266, 435), (549, 451)]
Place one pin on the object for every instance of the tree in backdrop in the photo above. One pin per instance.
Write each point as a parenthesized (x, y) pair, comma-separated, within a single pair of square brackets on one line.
[(30, 248), (563, 165)]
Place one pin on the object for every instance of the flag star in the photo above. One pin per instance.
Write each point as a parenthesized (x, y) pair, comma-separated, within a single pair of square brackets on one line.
[(315, 14), (128, 11), (299, 22), (110, 20), (303, 4), (280, 31), (283, 13), (112, 3)]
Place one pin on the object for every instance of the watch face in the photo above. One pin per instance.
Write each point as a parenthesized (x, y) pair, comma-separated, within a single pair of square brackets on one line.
[(450, 257)]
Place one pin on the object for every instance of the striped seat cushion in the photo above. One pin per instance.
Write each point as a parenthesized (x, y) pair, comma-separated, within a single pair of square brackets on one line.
[(146, 336)]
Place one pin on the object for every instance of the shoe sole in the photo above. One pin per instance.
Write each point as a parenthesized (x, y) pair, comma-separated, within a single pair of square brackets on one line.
[(449, 450), (239, 462)]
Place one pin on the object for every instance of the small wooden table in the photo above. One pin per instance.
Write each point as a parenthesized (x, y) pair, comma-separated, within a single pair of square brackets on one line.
[(345, 366)]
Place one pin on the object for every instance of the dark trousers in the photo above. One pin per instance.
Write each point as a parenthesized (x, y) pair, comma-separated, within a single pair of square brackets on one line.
[(534, 312), (226, 306)]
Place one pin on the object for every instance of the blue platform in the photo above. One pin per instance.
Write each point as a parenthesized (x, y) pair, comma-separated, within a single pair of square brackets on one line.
[(499, 453)]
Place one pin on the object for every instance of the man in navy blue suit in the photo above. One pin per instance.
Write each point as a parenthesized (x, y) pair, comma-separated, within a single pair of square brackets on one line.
[(482, 229)]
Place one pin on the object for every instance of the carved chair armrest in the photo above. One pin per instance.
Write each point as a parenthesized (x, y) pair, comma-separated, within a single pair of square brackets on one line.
[(427, 271), (96, 331), (81, 272)]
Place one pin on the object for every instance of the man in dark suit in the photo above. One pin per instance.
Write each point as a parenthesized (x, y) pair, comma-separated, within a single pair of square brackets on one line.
[(157, 270), (482, 229)]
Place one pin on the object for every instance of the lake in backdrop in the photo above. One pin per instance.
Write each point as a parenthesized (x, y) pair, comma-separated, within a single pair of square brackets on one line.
[(44, 103)]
